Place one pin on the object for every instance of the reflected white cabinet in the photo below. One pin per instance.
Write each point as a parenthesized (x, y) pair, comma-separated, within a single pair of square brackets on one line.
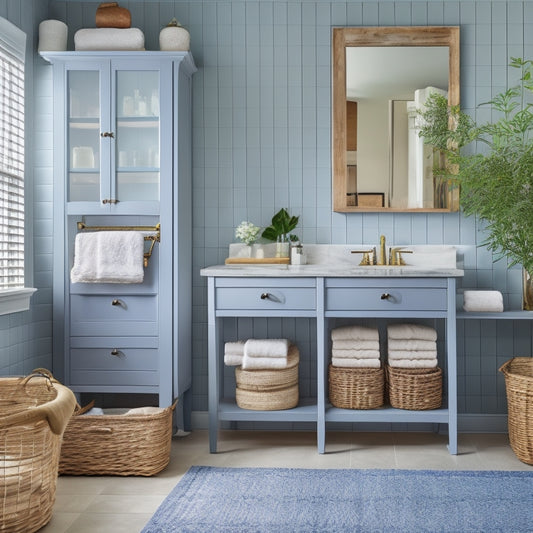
[(123, 158)]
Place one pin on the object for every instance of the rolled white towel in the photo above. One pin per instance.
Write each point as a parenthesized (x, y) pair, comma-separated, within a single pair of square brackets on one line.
[(483, 301), (411, 331), (266, 348), (344, 362), (351, 344), (413, 363), (233, 359), (359, 333), (407, 354), (411, 344), (234, 348), (355, 354)]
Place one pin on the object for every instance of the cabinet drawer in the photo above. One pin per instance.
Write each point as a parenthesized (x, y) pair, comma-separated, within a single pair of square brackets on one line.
[(105, 315), (101, 366), (385, 299), (266, 298)]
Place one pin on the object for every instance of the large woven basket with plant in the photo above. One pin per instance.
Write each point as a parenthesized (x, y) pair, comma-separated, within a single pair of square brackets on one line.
[(34, 412)]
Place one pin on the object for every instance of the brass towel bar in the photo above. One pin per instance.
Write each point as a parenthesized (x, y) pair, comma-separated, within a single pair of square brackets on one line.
[(154, 238)]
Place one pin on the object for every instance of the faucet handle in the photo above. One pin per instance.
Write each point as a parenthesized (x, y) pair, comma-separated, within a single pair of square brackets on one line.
[(369, 256), (396, 258)]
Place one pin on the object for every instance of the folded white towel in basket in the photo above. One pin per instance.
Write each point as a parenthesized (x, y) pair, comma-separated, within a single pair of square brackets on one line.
[(264, 363), (266, 348), (234, 348), (344, 362), (413, 363), (483, 301), (355, 354), (233, 359), (412, 354), (109, 39), (108, 257), (411, 344), (411, 331), (360, 333), (352, 344)]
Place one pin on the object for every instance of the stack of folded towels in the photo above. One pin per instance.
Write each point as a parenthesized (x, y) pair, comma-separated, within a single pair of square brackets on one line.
[(412, 346), (355, 347), (256, 354)]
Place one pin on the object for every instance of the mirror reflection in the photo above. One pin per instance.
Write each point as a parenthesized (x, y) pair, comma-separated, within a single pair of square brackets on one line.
[(380, 162)]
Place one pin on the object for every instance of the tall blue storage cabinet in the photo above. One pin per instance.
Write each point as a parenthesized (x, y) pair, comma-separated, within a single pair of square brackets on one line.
[(122, 160)]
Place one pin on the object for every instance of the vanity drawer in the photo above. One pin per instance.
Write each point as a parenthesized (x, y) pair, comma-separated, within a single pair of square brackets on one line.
[(104, 315), (267, 295), (113, 361), (382, 296)]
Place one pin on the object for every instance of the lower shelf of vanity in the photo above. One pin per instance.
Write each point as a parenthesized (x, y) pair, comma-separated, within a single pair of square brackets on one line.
[(307, 411)]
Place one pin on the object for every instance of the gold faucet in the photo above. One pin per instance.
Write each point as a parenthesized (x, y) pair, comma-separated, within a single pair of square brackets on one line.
[(396, 258), (382, 251), (369, 256)]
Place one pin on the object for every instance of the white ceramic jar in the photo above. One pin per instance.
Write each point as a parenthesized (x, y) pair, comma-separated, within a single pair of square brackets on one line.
[(52, 36), (174, 37)]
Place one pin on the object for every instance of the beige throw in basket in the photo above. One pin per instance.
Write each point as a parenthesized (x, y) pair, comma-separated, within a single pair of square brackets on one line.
[(33, 414), (518, 373), (119, 445)]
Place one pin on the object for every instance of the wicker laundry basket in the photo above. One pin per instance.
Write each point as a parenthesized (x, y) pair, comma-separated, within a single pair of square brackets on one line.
[(356, 388), (117, 445), (416, 389), (33, 414), (518, 373)]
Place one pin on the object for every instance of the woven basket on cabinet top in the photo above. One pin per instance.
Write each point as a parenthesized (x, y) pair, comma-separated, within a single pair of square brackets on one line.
[(518, 373), (33, 414)]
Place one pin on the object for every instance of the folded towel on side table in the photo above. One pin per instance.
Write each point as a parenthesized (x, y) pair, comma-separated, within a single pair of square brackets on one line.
[(483, 301), (411, 331), (108, 257)]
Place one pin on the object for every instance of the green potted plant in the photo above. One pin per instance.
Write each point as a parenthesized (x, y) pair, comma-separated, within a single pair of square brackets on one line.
[(280, 231), (493, 165)]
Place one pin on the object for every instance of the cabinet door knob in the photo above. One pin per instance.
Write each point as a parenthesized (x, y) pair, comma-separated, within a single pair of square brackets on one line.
[(107, 134), (264, 296), (116, 301), (109, 201), (115, 351), (385, 296)]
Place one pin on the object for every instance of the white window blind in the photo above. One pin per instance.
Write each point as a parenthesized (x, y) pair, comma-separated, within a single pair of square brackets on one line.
[(12, 51)]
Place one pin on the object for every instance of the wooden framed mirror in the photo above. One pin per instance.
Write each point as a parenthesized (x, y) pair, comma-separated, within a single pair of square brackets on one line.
[(381, 76)]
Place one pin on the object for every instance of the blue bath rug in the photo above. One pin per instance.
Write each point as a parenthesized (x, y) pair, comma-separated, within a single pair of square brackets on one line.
[(285, 500)]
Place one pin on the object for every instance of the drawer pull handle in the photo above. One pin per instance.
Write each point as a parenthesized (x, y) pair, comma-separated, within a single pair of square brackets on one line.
[(265, 296), (115, 302), (385, 296), (114, 351), (107, 134)]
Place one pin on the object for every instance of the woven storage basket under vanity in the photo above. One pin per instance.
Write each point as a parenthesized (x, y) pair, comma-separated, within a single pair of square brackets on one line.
[(269, 389), (518, 373), (416, 389), (33, 414), (118, 445), (356, 388)]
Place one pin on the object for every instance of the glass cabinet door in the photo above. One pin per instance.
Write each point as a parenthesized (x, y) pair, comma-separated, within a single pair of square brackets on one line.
[(83, 158), (136, 161)]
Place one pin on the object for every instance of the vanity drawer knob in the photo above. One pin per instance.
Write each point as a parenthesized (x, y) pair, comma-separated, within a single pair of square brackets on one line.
[(115, 302), (385, 296), (264, 296), (115, 351)]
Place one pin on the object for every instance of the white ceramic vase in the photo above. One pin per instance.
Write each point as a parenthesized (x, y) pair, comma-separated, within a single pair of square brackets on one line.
[(174, 37)]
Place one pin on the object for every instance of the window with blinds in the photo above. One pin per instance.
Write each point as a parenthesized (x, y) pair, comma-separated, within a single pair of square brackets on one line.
[(11, 157)]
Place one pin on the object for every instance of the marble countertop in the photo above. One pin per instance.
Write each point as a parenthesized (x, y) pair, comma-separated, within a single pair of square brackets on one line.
[(338, 261)]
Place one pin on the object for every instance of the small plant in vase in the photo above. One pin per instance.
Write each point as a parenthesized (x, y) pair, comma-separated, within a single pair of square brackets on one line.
[(279, 231), (247, 233), (495, 178)]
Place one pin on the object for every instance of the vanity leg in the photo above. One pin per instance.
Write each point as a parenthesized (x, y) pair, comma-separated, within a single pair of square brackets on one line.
[(451, 345), (212, 365), (321, 354)]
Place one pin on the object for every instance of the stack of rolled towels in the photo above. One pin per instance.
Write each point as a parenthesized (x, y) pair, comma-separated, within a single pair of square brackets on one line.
[(411, 346), (260, 354), (355, 347)]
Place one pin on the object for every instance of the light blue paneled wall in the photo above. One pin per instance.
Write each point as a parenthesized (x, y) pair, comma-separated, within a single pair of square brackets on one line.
[(26, 338), (261, 141)]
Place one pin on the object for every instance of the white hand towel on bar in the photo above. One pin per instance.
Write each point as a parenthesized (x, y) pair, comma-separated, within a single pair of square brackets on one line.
[(344, 362), (108, 257), (483, 301), (355, 345), (359, 333), (266, 348), (413, 363), (355, 354), (411, 344), (415, 354), (411, 331)]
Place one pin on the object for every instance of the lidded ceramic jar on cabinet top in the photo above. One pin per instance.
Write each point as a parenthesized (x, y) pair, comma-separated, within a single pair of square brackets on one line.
[(174, 37)]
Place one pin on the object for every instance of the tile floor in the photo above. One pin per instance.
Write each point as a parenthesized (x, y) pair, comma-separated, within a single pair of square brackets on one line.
[(124, 505)]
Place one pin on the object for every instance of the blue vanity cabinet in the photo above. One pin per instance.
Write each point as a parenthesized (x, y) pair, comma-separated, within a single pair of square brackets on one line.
[(123, 159)]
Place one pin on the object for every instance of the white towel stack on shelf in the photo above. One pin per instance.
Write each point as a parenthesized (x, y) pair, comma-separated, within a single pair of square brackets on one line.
[(258, 354), (355, 347), (412, 346)]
